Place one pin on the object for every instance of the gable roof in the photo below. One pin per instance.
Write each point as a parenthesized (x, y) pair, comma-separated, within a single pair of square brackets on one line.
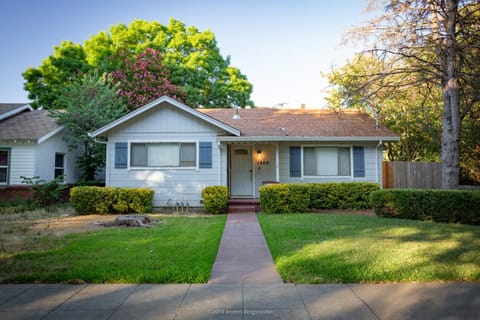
[(8, 110), (268, 124), (34, 125), (302, 124), (158, 102)]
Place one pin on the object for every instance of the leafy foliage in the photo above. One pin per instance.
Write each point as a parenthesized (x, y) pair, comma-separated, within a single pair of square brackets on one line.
[(299, 197), (45, 192), (411, 110), (89, 104), (192, 58), (105, 200), (144, 79), (67, 64), (215, 199), (436, 205), (432, 42)]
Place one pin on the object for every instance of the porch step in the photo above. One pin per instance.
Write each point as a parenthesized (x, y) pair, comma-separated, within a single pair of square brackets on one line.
[(243, 205), (241, 209)]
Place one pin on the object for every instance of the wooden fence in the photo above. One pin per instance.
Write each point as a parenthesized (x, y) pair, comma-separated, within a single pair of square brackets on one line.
[(403, 174)]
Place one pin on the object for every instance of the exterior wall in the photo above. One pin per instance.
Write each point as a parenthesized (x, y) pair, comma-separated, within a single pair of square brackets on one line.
[(264, 167), (22, 162), (170, 185), (31, 159), (373, 162), (45, 155)]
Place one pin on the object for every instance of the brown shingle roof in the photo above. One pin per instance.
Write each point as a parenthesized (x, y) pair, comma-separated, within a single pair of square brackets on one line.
[(28, 125), (7, 109), (300, 122)]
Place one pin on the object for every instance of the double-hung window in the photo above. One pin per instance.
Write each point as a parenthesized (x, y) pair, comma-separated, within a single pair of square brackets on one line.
[(163, 154), (4, 165), (59, 165), (326, 161)]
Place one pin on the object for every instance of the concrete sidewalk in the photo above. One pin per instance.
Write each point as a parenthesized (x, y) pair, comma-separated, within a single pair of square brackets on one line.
[(242, 301), (243, 255)]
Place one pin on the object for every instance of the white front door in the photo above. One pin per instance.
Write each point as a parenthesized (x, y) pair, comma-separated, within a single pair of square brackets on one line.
[(241, 171)]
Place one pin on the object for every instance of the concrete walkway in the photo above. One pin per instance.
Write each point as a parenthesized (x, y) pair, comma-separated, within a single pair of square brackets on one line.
[(242, 301), (243, 256)]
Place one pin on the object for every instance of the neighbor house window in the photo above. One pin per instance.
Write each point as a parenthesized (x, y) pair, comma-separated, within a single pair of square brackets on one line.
[(326, 161), (59, 165), (4, 165), (163, 154)]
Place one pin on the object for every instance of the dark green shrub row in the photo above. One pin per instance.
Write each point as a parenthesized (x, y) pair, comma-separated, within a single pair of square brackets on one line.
[(299, 197), (103, 200), (456, 206), (215, 199)]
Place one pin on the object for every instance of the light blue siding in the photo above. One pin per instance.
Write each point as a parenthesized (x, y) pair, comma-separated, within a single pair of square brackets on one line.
[(372, 157), (170, 185)]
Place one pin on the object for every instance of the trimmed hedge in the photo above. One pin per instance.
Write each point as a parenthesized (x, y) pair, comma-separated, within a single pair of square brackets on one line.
[(104, 200), (454, 206), (300, 197), (215, 199)]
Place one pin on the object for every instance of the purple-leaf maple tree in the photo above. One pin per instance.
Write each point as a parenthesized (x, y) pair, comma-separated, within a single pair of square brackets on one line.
[(144, 79)]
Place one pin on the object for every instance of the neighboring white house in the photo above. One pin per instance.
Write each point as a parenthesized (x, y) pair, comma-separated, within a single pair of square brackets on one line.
[(177, 150), (31, 144)]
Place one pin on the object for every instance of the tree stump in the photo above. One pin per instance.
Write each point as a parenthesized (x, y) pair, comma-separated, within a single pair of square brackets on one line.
[(142, 221)]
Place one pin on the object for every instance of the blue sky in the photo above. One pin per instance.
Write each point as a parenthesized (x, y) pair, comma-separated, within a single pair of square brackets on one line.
[(281, 46)]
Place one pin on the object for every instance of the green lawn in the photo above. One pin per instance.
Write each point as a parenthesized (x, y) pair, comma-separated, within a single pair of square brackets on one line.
[(324, 248), (176, 250)]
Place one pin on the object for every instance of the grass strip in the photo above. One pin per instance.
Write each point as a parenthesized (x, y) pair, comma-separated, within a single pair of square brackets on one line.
[(327, 248), (175, 250)]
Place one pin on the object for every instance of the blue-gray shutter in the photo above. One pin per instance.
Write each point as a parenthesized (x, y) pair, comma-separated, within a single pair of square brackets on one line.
[(121, 155), (205, 154), (295, 162), (358, 162)]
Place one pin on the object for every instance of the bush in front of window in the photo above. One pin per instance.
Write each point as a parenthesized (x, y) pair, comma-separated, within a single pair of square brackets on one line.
[(215, 199), (284, 198), (343, 195), (104, 200), (453, 206), (301, 197)]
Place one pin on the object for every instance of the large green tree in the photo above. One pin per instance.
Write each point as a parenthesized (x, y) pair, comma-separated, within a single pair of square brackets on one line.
[(192, 57), (438, 39), (411, 110), (67, 64), (90, 103)]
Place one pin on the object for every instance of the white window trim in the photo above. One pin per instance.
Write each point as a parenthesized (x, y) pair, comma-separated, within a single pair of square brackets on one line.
[(197, 155), (64, 167), (8, 166), (327, 146)]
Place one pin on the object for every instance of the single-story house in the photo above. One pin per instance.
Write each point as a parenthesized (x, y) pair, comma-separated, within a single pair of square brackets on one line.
[(177, 150), (31, 144)]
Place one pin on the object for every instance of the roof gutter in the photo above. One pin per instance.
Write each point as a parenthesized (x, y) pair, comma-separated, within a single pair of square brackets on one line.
[(296, 138)]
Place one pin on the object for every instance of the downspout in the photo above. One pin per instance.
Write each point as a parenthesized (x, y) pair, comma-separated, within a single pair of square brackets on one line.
[(219, 145), (380, 143), (277, 164)]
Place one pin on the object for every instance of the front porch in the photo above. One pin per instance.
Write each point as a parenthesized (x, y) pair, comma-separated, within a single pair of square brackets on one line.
[(249, 166)]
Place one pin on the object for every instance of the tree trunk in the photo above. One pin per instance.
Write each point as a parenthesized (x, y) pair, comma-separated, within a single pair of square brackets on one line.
[(450, 136), (451, 123)]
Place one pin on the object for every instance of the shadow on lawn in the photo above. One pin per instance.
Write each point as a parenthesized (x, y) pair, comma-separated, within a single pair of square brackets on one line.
[(323, 249)]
